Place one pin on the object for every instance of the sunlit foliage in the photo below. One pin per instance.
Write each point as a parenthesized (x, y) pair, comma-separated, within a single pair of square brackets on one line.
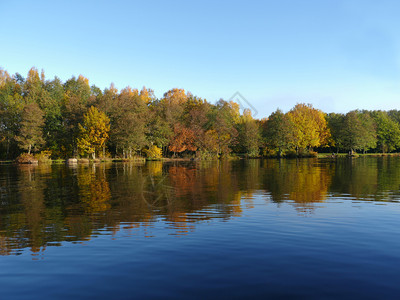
[(93, 133), (38, 114)]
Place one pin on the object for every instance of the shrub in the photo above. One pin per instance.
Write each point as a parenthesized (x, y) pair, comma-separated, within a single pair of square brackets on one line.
[(253, 153), (44, 156), (205, 155), (153, 152), (312, 153), (25, 158), (291, 154), (267, 152)]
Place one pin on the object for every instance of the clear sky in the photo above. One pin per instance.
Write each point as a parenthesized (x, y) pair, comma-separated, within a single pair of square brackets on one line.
[(337, 55)]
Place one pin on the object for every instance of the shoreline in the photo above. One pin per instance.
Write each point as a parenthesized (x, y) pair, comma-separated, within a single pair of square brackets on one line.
[(96, 161)]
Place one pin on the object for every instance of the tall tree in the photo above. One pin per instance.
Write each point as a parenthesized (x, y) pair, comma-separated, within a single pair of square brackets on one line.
[(359, 132), (129, 118), (11, 106), (249, 134), (30, 136), (336, 126), (76, 101), (224, 118), (93, 133), (159, 131), (54, 130), (196, 118), (279, 132)]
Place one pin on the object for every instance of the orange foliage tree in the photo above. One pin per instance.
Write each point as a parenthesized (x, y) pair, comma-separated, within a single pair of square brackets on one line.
[(184, 139)]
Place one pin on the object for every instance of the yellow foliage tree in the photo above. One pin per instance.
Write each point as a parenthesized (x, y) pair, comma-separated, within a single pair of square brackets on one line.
[(310, 127), (153, 152), (93, 133)]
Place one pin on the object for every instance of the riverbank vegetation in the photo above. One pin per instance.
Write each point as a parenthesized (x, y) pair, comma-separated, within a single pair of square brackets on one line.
[(48, 118)]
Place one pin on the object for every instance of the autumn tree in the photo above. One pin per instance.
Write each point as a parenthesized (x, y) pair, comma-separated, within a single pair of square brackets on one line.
[(184, 139), (169, 111), (310, 127), (93, 133), (211, 145), (224, 119), (196, 118), (173, 104), (30, 135)]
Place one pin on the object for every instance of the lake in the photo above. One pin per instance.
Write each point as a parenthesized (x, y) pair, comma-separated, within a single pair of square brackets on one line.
[(309, 229)]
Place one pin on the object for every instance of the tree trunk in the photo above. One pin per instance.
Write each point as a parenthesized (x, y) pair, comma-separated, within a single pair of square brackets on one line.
[(29, 148), (8, 148)]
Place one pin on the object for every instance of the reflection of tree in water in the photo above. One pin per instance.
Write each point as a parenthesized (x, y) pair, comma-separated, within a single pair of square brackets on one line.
[(46, 205), (356, 177), (301, 181), (94, 190), (156, 192), (372, 178), (182, 192), (27, 217)]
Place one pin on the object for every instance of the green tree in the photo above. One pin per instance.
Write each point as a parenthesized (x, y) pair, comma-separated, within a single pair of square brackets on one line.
[(359, 131), (159, 130), (54, 130), (11, 106), (129, 118), (387, 130), (249, 134), (336, 127), (30, 136), (75, 104), (279, 132), (93, 133)]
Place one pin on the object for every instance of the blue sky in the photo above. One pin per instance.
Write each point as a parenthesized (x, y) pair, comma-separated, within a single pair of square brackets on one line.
[(336, 55)]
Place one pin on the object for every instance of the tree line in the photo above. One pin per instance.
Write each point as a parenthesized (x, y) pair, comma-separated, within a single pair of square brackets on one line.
[(75, 119)]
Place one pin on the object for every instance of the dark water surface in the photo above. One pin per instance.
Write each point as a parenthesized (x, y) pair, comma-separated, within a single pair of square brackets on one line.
[(310, 229)]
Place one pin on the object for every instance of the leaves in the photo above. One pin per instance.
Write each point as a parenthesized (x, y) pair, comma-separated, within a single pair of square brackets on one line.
[(310, 128), (179, 123), (93, 133), (30, 136), (184, 139)]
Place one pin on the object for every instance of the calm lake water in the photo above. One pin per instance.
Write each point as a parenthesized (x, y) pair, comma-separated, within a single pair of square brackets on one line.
[(307, 229)]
